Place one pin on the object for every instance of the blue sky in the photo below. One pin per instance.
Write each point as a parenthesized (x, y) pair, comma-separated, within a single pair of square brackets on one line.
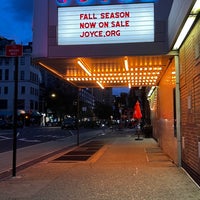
[(117, 91), (16, 20)]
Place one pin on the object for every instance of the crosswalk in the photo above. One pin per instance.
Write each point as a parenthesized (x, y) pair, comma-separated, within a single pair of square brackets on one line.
[(2, 138)]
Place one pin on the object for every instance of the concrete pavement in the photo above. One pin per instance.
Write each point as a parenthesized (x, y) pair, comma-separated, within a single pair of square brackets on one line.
[(29, 155), (122, 169)]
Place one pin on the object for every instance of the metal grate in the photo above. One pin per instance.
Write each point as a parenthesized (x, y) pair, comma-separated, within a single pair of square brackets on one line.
[(82, 153)]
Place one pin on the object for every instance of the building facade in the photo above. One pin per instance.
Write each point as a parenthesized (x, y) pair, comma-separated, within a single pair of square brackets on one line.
[(189, 55), (175, 101), (28, 82)]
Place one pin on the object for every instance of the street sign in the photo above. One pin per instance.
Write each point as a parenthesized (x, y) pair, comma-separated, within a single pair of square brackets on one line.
[(14, 50)]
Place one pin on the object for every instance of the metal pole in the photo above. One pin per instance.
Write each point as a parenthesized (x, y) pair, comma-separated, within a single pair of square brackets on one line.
[(78, 105), (15, 118), (178, 112)]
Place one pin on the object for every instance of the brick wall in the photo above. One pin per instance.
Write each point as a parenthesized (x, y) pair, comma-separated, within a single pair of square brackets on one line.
[(162, 113), (190, 101)]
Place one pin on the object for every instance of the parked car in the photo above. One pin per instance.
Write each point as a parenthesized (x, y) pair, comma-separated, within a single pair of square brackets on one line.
[(53, 123), (68, 123)]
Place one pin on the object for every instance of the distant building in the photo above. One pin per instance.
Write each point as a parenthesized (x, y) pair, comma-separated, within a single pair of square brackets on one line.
[(28, 84), (103, 96), (90, 97)]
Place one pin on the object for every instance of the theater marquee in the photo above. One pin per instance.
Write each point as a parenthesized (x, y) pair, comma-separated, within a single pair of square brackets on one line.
[(110, 24)]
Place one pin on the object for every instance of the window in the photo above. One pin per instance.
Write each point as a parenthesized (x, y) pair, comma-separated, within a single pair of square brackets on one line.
[(23, 90), (34, 77), (32, 90), (36, 105), (7, 61), (22, 75), (3, 104), (0, 74), (5, 90), (22, 60), (7, 74), (21, 104), (31, 104), (36, 92)]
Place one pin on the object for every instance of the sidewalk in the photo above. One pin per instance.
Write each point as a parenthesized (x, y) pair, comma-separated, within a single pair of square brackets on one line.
[(122, 169), (32, 154)]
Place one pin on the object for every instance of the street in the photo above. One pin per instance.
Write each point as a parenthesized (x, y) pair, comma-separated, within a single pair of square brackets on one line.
[(28, 136)]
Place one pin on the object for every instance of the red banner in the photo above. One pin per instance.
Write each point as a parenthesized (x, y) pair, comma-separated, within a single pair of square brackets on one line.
[(137, 111)]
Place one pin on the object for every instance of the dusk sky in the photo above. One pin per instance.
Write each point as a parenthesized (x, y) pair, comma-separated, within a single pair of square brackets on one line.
[(16, 20), (16, 24)]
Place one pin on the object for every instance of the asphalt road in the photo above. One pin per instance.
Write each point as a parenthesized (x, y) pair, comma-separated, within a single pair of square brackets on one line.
[(33, 135)]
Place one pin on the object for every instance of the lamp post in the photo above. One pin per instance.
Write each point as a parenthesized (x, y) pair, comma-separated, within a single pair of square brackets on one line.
[(15, 118), (78, 116), (53, 95), (15, 51)]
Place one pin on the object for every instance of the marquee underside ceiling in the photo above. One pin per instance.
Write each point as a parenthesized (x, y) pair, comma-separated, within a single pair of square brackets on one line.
[(130, 71)]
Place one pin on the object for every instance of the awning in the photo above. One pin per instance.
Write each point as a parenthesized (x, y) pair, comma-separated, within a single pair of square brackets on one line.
[(128, 71)]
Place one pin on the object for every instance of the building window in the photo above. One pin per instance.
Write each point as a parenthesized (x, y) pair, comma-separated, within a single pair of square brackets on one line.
[(22, 75), (30, 61), (34, 77), (22, 60), (21, 104), (32, 90), (31, 104), (7, 61), (1, 61), (3, 104), (36, 92), (31, 76), (0, 74), (7, 74), (5, 90), (36, 105), (23, 90)]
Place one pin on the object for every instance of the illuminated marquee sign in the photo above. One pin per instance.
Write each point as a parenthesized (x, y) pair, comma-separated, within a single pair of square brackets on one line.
[(99, 2), (127, 23)]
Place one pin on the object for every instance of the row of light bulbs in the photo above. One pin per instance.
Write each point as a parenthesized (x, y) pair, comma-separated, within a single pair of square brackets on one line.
[(107, 71), (138, 75), (154, 78), (116, 74), (130, 69), (127, 74)]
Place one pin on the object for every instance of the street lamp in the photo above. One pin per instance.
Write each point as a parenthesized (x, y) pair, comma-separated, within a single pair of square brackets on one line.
[(53, 95)]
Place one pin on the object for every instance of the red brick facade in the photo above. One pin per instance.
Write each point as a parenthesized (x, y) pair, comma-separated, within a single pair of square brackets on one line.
[(190, 101), (162, 110), (163, 107)]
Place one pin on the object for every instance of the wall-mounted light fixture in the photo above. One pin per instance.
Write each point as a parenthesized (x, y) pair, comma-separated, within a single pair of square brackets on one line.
[(81, 64), (100, 85), (187, 26), (126, 63), (151, 91)]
